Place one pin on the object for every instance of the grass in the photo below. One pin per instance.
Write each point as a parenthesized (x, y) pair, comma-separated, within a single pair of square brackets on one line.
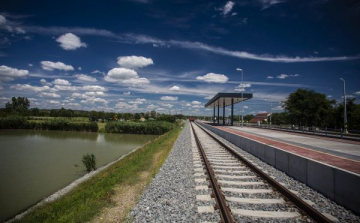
[(91, 197)]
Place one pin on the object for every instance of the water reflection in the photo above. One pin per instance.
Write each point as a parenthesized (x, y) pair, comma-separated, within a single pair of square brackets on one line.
[(34, 164)]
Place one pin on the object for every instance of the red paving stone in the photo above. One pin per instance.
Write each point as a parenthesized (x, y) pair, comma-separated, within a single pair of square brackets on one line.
[(340, 162)]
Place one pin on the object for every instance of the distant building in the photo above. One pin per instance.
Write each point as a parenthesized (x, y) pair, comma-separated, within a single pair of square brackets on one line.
[(260, 117)]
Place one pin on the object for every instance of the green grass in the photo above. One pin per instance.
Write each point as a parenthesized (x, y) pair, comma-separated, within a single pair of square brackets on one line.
[(88, 199)]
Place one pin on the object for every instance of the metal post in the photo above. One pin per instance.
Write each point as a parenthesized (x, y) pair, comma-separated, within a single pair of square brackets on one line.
[(224, 112), (232, 111), (345, 118), (218, 118), (214, 114)]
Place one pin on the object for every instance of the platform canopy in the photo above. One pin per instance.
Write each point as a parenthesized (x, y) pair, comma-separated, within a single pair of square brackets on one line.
[(219, 98)]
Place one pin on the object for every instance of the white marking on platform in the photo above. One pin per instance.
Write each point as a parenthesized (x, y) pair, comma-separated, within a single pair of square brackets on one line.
[(255, 201), (235, 177), (240, 183), (266, 214), (203, 197), (246, 191), (201, 187), (205, 209)]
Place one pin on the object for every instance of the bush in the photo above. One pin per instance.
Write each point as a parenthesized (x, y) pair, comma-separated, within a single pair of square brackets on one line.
[(149, 127), (16, 122), (89, 162)]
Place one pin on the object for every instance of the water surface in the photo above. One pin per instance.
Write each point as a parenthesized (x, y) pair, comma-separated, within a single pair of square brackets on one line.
[(35, 164)]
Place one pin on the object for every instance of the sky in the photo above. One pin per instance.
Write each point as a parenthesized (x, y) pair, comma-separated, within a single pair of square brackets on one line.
[(173, 56)]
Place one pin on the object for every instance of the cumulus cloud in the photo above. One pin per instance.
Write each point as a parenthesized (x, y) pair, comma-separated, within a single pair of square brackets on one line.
[(166, 105), (123, 106), (65, 88), (125, 76), (84, 77), (270, 77), (98, 72), (93, 88), (45, 83), (9, 73), (174, 88), (48, 65), (70, 41), (78, 95), (169, 98), (127, 93), (49, 95), (94, 93), (61, 82), (30, 65), (196, 102), (134, 61), (94, 100), (138, 101), (212, 77), (228, 7), (27, 87), (283, 76), (2, 20), (357, 93)]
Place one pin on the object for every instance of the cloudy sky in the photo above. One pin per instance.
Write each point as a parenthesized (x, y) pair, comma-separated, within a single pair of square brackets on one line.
[(173, 56)]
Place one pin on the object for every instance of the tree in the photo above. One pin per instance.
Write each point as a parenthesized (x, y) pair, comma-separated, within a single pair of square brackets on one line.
[(247, 118), (307, 107), (280, 118), (18, 105)]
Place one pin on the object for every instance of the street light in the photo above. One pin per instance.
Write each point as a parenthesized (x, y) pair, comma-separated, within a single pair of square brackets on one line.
[(242, 74), (345, 119)]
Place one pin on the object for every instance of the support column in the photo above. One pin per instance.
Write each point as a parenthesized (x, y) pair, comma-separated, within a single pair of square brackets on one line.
[(218, 120), (224, 112), (232, 112), (214, 115)]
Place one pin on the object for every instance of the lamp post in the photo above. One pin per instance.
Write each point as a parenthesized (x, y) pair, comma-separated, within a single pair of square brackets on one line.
[(345, 119), (242, 74)]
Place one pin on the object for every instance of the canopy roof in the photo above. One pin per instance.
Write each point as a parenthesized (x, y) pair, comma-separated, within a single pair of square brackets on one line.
[(219, 98)]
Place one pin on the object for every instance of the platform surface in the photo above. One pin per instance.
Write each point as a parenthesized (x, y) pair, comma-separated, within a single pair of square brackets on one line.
[(338, 153)]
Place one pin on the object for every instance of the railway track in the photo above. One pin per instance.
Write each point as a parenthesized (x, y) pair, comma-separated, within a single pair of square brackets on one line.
[(242, 191)]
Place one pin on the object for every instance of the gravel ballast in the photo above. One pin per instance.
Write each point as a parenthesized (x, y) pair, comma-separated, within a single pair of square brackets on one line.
[(171, 196)]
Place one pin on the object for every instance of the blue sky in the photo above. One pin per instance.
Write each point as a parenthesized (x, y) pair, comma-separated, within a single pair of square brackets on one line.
[(173, 56)]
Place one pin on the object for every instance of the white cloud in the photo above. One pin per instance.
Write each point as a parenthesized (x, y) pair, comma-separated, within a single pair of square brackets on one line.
[(45, 83), (212, 77), (188, 105), (9, 73), (27, 87), (120, 74), (228, 7), (98, 72), (54, 102), (79, 68), (197, 106), (19, 30), (329, 96), (278, 108), (234, 14), (65, 88), (239, 89), (196, 102), (283, 76), (138, 101), (61, 82), (94, 100), (270, 77), (358, 93), (94, 93), (209, 97), (245, 106), (134, 61), (78, 95), (123, 106), (70, 41), (2, 20), (166, 105), (127, 93), (93, 88), (136, 81), (84, 77), (30, 65), (49, 95), (169, 98), (244, 85), (152, 107), (48, 65), (268, 3), (174, 88)]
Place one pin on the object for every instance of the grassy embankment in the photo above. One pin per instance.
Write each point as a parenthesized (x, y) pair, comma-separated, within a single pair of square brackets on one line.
[(91, 198)]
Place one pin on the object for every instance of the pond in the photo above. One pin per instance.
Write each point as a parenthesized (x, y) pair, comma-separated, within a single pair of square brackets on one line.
[(35, 164)]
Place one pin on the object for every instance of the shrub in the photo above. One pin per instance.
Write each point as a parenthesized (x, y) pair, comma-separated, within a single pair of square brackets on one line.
[(149, 127), (89, 162)]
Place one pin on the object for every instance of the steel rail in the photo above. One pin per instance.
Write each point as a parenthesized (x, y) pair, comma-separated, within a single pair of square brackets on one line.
[(224, 210), (298, 202)]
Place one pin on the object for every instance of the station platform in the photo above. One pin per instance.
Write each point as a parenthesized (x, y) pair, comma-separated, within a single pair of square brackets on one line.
[(338, 153)]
